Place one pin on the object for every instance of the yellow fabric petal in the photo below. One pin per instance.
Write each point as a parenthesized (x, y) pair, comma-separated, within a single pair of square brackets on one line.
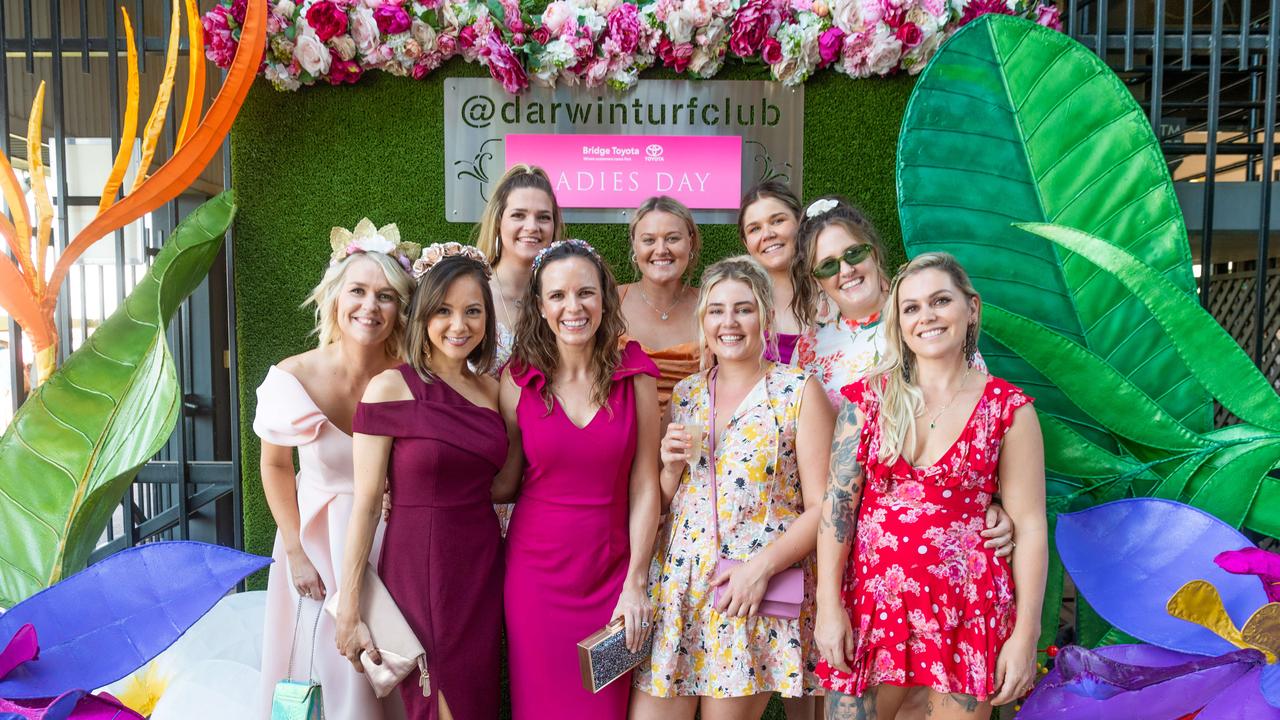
[(1199, 602), (155, 123), (128, 133), (195, 74), (1262, 630), (44, 208)]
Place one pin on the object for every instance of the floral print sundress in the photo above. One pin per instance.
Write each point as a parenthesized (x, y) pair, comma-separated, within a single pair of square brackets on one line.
[(696, 650), (840, 351), (930, 606)]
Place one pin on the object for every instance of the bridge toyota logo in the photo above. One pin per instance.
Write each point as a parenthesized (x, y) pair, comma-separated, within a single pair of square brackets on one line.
[(653, 152)]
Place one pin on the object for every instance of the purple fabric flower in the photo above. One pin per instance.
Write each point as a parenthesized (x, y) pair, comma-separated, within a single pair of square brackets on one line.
[(503, 64), (624, 27), (220, 46), (830, 43), (392, 19)]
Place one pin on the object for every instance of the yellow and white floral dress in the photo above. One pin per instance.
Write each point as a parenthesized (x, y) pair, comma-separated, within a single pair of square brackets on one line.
[(696, 650)]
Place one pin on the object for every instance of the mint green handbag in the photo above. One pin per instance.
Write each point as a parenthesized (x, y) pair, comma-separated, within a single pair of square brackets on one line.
[(293, 699)]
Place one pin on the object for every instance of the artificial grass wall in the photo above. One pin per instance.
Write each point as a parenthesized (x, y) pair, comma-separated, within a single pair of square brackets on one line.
[(304, 162)]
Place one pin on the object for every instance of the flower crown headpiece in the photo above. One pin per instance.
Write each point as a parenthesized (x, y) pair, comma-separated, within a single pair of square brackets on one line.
[(821, 207), (365, 238), (575, 242), (433, 254)]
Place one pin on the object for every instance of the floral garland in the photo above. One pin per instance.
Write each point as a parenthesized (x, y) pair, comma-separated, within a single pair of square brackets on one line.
[(599, 42)]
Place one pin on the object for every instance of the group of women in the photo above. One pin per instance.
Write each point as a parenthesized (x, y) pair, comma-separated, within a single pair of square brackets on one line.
[(678, 457)]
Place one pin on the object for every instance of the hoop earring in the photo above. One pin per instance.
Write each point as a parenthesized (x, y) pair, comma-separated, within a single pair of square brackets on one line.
[(970, 344)]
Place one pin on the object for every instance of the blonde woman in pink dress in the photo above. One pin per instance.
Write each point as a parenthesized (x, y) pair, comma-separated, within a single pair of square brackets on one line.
[(307, 402)]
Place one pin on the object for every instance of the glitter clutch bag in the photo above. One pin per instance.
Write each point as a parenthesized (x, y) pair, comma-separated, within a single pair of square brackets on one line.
[(603, 656)]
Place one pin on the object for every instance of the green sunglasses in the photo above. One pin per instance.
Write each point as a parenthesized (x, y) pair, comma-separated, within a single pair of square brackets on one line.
[(853, 255)]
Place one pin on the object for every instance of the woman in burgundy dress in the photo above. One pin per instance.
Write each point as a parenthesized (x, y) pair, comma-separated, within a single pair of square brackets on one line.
[(583, 418), (431, 428)]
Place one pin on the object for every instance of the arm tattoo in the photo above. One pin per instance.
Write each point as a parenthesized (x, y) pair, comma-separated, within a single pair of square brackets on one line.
[(844, 485), (840, 706)]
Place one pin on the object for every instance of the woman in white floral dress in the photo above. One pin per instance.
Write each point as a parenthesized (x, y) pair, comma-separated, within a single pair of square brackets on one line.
[(717, 652)]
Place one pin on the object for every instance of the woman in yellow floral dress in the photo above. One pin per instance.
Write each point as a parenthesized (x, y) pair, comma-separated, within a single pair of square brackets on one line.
[(714, 649)]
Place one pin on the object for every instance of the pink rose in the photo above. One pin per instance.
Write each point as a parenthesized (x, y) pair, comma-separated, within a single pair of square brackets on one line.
[(596, 72), (447, 45), (504, 66), (909, 34), (391, 19), (555, 16), (1049, 16), (311, 54), (542, 35), (676, 57), (771, 51), (327, 20), (364, 30), (830, 43), (624, 27), (342, 71), (467, 37), (219, 45), (755, 21)]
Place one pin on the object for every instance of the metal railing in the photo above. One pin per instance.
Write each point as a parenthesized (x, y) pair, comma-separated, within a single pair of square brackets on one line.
[(191, 490)]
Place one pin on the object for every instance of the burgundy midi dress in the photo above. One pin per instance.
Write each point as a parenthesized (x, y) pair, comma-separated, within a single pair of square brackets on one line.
[(442, 556)]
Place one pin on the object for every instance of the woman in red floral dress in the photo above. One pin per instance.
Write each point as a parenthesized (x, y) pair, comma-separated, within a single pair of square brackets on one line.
[(924, 443)]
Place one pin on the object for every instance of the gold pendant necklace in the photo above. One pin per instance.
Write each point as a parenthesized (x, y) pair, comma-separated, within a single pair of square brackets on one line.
[(933, 423)]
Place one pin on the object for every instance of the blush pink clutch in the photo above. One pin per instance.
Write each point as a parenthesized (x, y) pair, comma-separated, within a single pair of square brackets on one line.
[(782, 597), (401, 652)]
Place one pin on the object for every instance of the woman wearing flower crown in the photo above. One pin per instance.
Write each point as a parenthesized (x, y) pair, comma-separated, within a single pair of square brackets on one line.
[(583, 418), (718, 646), (431, 428), (768, 221), (919, 450), (307, 402), (659, 308)]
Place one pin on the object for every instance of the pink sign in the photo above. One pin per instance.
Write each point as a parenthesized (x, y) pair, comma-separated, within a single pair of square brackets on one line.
[(622, 171)]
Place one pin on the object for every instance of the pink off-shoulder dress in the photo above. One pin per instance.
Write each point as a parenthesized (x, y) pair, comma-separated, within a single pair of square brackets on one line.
[(568, 545), (287, 416)]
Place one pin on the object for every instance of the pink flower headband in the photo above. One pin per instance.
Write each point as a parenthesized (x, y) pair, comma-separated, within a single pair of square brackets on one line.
[(365, 238), (573, 242), (433, 254)]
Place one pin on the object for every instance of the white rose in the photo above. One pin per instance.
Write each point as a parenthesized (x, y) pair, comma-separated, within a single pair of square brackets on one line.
[(847, 15), (364, 30), (424, 34), (679, 27), (556, 15), (705, 62), (713, 33), (344, 46), (698, 11), (885, 52), (286, 8), (559, 54), (310, 53), (594, 22)]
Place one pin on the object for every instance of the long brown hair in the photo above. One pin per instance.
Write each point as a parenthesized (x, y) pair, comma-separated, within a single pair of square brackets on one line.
[(895, 378), (804, 298), (429, 297), (517, 177), (849, 217), (535, 344)]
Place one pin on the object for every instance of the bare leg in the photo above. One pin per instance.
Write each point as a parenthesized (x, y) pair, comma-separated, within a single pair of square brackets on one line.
[(750, 707), (913, 708), (954, 706), (647, 707), (443, 707), (803, 708)]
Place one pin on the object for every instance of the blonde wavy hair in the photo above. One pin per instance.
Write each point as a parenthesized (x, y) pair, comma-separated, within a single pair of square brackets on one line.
[(325, 298), (894, 380), (744, 269), (670, 206), (488, 233)]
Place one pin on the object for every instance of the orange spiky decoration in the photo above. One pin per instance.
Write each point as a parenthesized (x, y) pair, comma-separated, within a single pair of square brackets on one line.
[(27, 290)]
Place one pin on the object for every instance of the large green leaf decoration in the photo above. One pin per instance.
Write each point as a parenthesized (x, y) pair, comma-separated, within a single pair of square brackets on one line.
[(1012, 122), (75, 445)]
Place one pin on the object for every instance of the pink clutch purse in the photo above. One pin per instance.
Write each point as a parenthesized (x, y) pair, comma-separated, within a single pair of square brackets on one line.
[(783, 595), (785, 591), (401, 652)]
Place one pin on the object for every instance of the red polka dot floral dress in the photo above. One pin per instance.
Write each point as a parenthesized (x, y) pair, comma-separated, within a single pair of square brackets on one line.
[(929, 605)]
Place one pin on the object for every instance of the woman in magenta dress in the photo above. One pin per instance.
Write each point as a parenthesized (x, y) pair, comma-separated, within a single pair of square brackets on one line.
[(431, 428), (926, 441), (583, 418)]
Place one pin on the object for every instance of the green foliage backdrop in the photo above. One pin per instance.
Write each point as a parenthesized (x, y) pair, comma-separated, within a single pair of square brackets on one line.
[(304, 162)]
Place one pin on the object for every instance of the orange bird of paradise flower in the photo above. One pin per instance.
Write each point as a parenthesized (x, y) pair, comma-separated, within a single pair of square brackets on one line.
[(28, 290)]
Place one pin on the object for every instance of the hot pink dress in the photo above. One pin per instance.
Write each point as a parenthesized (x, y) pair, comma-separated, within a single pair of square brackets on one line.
[(287, 416), (568, 545)]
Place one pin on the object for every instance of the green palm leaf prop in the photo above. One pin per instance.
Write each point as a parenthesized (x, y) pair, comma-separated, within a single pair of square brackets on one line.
[(76, 444), (1013, 122)]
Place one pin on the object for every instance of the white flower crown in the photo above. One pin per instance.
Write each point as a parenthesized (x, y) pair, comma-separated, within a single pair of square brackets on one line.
[(818, 207)]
